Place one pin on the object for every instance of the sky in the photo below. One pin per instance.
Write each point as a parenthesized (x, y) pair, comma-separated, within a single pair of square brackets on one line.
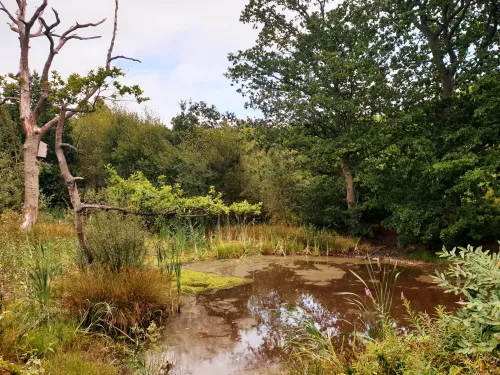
[(183, 46)]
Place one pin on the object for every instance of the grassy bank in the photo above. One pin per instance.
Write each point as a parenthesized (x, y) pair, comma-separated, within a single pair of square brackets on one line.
[(59, 316)]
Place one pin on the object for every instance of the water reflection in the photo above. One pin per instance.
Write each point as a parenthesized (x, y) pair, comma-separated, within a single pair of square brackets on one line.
[(243, 330)]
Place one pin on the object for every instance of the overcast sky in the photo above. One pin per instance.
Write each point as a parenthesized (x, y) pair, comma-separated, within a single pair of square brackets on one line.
[(183, 45)]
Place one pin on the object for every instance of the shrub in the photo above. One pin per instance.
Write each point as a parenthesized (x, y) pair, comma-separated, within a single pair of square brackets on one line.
[(474, 274), (120, 301), (116, 241)]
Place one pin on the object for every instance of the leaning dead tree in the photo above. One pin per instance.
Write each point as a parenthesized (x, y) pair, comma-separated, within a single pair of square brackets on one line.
[(97, 87), (76, 95)]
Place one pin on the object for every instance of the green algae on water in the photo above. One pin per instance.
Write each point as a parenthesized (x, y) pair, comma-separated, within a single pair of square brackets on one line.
[(193, 282)]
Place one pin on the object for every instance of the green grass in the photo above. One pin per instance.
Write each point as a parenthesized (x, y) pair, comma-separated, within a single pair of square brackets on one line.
[(76, 364), (49, 338), (193, 282)]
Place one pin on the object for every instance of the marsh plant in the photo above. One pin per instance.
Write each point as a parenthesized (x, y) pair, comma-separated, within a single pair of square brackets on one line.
[(375, 305), (170, 260), (116, 241), (464, 342), (40, 277)]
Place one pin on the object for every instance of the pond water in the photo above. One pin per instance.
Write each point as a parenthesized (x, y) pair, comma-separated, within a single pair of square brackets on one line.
[(241, 330)]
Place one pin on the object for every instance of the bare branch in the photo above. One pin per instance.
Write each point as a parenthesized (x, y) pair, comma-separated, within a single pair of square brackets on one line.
[(67, 145), (58, 20), (8, 98), (76, 110), (12, 18), (125, 58), (13, 27), (48, 63), (38, 13), (81, 26), (113, 38), (40, 30), (83, 38)]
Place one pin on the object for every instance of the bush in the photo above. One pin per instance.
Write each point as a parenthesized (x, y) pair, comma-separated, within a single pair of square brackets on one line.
[(120, 301), (116, 241), (474, 274)]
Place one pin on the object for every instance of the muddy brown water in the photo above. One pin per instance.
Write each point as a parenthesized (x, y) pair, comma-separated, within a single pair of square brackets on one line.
[(241, 330)]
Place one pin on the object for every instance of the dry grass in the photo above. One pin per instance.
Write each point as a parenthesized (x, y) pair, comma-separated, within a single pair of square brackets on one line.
[(284, 239), (134, 297)]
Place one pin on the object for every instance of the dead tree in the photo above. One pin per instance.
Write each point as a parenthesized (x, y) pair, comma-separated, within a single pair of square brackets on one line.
[(97, 94), (27, 29)]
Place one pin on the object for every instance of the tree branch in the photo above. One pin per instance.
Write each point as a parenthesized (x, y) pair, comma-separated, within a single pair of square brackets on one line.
[(78, 27), (3, 8), (125, 58), (48, 63), (71, 147), (101, 207), (8, 98), (85, 207), (37, 14), (113, 38)]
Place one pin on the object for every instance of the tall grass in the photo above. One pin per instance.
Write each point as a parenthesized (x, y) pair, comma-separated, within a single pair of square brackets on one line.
[(375, 306), (40, 278), (116, 241), (239, 240), (172, 263), (133, 297)]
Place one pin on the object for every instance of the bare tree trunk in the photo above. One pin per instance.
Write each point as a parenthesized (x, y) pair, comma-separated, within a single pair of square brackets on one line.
[(71, 182), (31, 183), (349, 182)]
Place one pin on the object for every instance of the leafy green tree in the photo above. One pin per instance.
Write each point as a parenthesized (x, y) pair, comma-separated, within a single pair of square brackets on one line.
[(11, 176), (318, 68), (124, 139), (442, 45), (438, 181)]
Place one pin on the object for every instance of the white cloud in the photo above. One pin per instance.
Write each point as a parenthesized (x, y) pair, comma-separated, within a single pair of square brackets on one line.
[(183, 45)]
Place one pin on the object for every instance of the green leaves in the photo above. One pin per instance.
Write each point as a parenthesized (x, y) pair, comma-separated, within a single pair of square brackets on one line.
[(77, 90), (138, 194), (473, 274)]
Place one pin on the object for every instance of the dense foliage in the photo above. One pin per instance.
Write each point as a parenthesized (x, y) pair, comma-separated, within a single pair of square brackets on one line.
[(375, 113)]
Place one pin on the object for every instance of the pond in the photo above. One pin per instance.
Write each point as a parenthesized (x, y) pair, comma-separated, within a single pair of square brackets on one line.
[(240, 330)]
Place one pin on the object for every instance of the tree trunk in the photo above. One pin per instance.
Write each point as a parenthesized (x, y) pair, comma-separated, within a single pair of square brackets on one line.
[(349, 182), (445, 76), (74, 194), (31, 183)]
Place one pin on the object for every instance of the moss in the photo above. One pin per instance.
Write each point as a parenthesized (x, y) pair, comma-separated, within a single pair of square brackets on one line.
[(199, 282)]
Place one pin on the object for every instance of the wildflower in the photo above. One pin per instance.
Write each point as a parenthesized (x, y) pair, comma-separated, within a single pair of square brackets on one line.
[(368, 293)]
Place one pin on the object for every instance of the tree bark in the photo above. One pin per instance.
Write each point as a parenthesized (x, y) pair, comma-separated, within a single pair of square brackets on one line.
[(445, 76), (349, 182), (74, 194), (31, 182)]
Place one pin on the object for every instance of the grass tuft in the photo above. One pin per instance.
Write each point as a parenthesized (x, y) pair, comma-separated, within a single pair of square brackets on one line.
[(134, 297)]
